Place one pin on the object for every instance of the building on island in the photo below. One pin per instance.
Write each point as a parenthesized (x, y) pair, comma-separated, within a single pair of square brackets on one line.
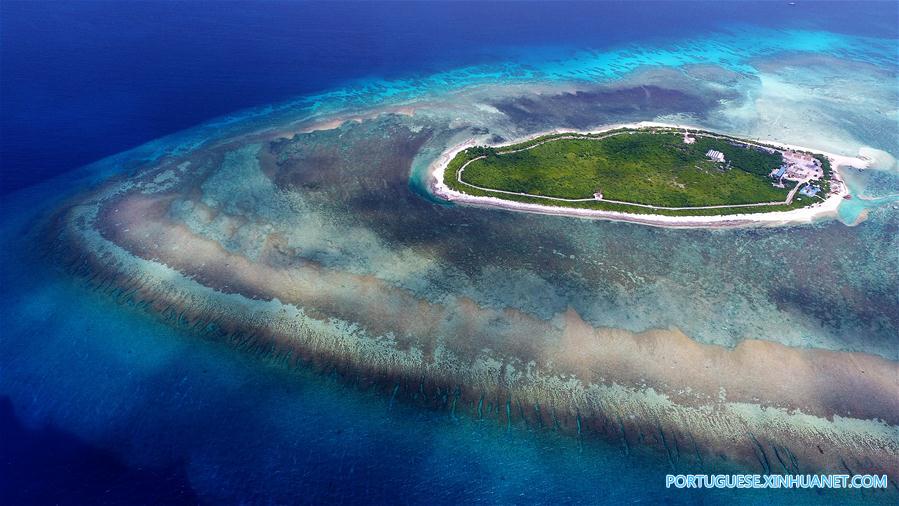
[(715, 156), (688, 139), (798, 167), (809, 190), (801, 166)]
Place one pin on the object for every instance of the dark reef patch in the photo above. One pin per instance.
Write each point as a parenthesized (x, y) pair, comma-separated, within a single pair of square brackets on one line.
[(329, 159), (585, 109)]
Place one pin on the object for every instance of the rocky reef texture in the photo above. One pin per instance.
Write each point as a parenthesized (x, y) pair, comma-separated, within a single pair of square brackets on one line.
[(772, 350)]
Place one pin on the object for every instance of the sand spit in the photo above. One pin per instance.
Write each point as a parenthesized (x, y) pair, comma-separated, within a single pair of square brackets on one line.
[(822, 210), (761, 405), (310, 126)]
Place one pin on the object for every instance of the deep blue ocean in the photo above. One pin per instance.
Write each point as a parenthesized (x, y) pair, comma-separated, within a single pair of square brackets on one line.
[(106, 405), (86, 79)]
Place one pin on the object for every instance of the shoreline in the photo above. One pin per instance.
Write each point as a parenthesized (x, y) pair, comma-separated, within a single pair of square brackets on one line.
[(825, 209)]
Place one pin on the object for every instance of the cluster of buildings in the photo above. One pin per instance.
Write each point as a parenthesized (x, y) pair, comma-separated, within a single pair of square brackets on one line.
[(798, 167), (810, 190)]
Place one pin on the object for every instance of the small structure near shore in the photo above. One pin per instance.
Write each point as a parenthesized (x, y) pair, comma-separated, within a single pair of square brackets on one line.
[(809, 190)]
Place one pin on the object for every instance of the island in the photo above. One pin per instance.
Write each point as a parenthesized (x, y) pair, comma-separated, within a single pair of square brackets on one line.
[(650, 173)]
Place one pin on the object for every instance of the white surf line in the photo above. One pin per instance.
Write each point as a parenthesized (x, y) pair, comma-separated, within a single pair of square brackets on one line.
[(788, 201)]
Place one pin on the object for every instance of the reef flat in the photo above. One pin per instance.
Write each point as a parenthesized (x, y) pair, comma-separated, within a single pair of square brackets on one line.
[(317, 243)]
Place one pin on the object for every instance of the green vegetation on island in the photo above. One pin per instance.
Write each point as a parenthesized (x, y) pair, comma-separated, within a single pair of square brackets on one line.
[(656, 167)]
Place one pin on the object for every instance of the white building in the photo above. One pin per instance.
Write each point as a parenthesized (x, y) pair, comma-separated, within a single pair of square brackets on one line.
[(715, 156)]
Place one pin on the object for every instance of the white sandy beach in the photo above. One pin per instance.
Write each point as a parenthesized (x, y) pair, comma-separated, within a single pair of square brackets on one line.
[(826, 208)]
